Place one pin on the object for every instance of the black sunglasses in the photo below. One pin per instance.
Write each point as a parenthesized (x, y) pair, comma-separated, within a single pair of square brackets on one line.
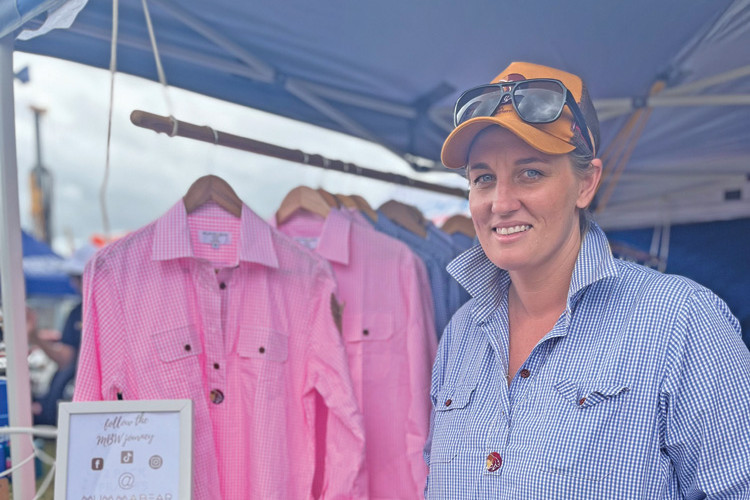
[(539, 100)]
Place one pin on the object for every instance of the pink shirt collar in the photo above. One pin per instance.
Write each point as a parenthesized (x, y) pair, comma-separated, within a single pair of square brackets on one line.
[(172, 237), (332, 233)]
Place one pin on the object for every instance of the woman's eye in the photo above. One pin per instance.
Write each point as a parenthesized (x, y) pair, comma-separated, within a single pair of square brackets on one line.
[(482, 179), (532, 174)]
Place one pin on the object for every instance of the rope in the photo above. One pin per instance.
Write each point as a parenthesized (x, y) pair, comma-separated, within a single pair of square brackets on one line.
[(46, 483), (44, 431), (157, 58), (112, 71)]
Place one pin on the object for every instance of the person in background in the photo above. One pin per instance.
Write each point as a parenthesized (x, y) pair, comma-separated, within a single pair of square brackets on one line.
[(60, 347), (570, 374)]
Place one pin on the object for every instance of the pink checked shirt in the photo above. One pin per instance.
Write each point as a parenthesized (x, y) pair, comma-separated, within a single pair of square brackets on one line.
[(251, 344), (390, 341)]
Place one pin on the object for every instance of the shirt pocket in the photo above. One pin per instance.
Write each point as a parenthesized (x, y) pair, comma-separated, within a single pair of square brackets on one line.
[(263, 344), (584, 429), (177, 343), (371, 345), (179, 351), (369, 328), (263, 354), (451, 424)]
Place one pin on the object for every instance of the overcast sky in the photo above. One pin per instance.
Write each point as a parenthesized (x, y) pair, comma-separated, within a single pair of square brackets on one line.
[(149, 172)]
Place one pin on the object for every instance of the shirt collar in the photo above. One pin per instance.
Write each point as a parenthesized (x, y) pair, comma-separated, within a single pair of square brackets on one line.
[(333, 244), (172, 237), (488, 284)]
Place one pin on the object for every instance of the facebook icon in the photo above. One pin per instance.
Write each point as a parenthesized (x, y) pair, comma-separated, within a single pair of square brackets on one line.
[(97, 463)]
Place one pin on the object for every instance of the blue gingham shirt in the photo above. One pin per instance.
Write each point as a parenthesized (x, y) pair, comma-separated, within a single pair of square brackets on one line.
[(640, 391), (435, 257)]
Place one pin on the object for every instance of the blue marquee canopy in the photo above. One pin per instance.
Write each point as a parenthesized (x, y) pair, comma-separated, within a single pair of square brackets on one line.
[(389, 71), (43, 269)]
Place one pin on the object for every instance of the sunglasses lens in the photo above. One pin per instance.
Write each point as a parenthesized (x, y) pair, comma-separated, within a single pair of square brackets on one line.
[(539, 101), (481, 101)]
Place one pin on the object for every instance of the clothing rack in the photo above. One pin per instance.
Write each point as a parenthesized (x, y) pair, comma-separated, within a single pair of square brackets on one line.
[(173, 127)]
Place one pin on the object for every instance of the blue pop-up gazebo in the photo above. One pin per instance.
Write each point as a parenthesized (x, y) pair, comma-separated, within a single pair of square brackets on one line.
[(43, 269)]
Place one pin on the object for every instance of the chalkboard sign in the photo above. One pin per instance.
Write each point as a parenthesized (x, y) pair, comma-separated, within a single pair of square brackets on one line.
[(124, 449)]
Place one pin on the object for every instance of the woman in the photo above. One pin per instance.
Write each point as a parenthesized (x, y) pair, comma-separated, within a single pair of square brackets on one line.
[(571, 374)]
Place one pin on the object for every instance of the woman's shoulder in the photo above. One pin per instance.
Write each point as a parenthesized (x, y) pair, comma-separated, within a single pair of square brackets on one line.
[(648, 282)]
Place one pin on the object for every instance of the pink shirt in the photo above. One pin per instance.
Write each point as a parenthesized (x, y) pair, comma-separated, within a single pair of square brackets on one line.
[(251, 344), (390, 341)]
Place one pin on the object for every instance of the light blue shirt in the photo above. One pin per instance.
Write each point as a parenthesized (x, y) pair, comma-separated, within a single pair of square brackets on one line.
[(640, 391)]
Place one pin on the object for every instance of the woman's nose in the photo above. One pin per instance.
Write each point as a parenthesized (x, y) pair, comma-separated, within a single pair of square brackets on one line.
[(505, 198)]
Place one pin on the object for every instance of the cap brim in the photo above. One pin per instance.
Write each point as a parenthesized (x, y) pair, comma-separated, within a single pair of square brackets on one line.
[(456, 147)]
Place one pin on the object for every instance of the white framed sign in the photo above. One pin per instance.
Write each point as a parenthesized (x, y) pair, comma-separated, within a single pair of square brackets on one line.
[(125, 450)]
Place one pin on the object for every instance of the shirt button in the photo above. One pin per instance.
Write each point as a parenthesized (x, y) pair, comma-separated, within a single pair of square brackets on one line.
[(525, 373), (222, 285), (217, 396), (188, 348), (365, 332), (448, 402), (216, 366), (261, 349), (494, 461), (581, 401)]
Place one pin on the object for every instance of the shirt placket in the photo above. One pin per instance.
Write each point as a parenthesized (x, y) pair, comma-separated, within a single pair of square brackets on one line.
[(214, 292), (497, 436)]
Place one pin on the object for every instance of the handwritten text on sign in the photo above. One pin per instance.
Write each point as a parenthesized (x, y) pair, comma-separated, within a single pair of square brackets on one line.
[(124, 455)]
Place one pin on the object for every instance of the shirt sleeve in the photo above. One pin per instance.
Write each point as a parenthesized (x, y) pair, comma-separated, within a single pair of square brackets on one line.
[(705, 402), (96, 376), (421, 345), (328, 373)]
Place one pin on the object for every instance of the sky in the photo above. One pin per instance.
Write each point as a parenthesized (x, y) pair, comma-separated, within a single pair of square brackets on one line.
[(150, 172)]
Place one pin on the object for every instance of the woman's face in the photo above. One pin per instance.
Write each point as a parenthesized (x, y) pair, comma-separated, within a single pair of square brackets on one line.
[(525, 203)]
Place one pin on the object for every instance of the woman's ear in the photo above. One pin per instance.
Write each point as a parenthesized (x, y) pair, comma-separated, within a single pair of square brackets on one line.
[(589, 184)]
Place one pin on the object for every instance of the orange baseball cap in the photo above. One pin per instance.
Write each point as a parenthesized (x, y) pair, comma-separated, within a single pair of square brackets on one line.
[(558, 137)]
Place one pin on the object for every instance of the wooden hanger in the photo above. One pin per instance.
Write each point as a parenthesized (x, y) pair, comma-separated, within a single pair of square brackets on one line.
[(405, 216), (364, 207), (346, 201), (212, 188), (302, 198), (459, 224), (329, 198), (356, 202)]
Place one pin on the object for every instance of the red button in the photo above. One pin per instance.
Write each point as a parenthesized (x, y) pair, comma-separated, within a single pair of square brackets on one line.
[(494, 461), (525, 373), (217, 396), (582, 400), (448, 402)]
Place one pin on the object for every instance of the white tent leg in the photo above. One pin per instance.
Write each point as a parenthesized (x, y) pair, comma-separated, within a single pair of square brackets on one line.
[(13, 286)]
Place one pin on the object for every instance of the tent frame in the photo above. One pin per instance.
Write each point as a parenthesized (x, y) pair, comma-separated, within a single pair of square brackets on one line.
[(13, 286)]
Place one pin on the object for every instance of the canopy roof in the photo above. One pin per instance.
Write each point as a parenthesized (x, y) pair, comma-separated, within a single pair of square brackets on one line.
[(389, 71)]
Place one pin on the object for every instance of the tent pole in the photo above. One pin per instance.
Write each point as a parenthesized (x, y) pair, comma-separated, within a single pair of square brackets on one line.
[(173, 127), (13, 287)]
